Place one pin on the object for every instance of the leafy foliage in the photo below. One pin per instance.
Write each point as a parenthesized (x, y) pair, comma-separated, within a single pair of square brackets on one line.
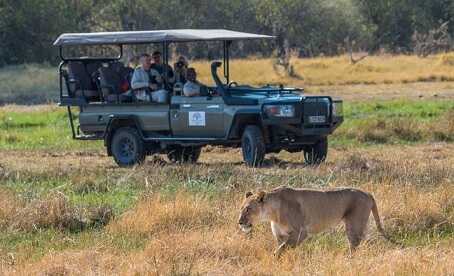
[(312, 28)]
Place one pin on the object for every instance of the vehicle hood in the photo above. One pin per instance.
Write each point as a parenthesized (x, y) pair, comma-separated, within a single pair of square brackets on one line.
[(265, 97)]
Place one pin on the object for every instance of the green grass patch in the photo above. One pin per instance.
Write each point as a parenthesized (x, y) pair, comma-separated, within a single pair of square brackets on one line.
[(366, 123), (31, 246), (118, 197), (29, 84), (395, 122), (39, 130), (419, 110)]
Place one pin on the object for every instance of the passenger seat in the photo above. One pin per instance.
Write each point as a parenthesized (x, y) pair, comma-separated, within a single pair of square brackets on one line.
[(114, 82), (80, 82)]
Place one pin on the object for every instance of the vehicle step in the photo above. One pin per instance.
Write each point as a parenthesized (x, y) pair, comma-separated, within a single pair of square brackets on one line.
[(88, 137)]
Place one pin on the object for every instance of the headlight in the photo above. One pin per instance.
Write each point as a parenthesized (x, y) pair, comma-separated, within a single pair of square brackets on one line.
[(337, 109), (280, 110)]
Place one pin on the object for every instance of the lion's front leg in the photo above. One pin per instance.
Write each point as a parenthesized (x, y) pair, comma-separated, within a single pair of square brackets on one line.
[(279, 234), (292, 239), (280, 249)]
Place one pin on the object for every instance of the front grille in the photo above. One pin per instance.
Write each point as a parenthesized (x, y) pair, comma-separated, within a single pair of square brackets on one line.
[(316, 111)]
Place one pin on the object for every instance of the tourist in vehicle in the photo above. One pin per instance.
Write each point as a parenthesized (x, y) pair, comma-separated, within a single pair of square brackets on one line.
[(193, 87), (181, 68), (166, 78), (145, 82), (134, 62)]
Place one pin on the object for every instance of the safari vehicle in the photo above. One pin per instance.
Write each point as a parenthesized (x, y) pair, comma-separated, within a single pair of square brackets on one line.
[(260, 120)]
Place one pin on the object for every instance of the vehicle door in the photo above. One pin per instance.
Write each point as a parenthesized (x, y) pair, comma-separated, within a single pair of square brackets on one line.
[(197, 117)]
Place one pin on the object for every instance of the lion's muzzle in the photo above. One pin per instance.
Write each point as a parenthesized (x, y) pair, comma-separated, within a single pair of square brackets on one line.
[(246, 228)]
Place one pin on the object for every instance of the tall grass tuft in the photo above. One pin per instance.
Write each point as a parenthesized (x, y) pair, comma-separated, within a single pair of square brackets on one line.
[(54, 211), (443, 130)]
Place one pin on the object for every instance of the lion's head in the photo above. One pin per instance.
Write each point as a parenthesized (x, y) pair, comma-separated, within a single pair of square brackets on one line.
[(252, 210)]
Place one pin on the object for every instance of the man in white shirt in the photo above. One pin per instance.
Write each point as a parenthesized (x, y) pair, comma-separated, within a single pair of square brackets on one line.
[(145, 81), (192, 87)]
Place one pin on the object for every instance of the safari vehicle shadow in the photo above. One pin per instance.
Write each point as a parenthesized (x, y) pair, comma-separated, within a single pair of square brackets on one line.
[(267, 163), (274, 161)]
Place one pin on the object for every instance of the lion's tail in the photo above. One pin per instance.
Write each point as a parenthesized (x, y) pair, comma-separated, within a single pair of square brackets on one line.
[(377, 218), (379, 225)]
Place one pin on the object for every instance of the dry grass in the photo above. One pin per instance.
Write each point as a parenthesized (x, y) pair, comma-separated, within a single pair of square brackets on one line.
[(377, 261), (383, 130), (191, 232), (444, 129), (330, 71), (54, 211), (37, 84), (191, 235), (156, 215), (186, 215), (447, 59), (9, 206)]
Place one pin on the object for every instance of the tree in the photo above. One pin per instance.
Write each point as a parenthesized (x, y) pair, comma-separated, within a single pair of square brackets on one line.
[(28, 27)]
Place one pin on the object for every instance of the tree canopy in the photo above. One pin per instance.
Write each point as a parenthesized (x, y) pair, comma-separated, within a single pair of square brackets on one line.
[(311, 28)]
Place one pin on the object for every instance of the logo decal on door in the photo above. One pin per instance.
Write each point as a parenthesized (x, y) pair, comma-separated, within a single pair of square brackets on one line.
[(196, 118)]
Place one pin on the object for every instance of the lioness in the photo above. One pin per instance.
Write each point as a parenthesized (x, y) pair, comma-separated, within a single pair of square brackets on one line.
[(296, 213)]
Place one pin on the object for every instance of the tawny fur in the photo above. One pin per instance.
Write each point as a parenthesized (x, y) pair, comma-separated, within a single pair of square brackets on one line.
[(296, 213)]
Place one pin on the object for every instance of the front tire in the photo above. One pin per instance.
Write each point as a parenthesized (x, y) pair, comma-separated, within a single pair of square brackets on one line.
[(253, 146), (316, 154), (127, 147), (181, 154)]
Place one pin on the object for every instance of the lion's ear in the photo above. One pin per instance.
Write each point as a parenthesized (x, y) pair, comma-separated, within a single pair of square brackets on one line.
[(248, 194), (261, 196)]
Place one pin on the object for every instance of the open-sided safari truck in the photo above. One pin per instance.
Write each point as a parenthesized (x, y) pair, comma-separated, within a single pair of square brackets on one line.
[(260, 120)]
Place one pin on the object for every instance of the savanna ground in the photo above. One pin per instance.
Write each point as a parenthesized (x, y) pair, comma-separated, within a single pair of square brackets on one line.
[(66, 208)]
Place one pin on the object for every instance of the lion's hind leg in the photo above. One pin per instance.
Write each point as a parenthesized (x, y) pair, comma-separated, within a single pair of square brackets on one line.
[(356, 226)]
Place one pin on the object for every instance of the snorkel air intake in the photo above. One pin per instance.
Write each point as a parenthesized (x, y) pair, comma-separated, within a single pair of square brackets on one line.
[(214, 73)]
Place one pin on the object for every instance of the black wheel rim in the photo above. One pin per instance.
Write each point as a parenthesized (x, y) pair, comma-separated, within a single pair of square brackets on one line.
[(126, 150)]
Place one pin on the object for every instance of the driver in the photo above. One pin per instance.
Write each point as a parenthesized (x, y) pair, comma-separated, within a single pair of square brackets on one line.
[(193, 87)]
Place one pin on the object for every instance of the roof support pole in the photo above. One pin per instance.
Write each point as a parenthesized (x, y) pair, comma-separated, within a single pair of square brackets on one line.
[(227, 60), (121, 52), (60, 51), (165, 61)]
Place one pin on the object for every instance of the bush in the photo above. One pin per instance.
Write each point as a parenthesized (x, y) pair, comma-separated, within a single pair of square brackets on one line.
[(55, 211), (443, 130), (373, 131), (406, 129), (447, 59)]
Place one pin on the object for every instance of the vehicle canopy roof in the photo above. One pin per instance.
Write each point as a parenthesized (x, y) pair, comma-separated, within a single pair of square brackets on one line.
[(141, 37)]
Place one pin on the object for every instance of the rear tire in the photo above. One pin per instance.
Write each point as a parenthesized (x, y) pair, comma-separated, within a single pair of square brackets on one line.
[(316, 154), (179, 154), (253, 146), (127, 147)]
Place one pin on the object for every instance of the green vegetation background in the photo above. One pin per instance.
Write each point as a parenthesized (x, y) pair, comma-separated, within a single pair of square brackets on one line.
[(312, 28)]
